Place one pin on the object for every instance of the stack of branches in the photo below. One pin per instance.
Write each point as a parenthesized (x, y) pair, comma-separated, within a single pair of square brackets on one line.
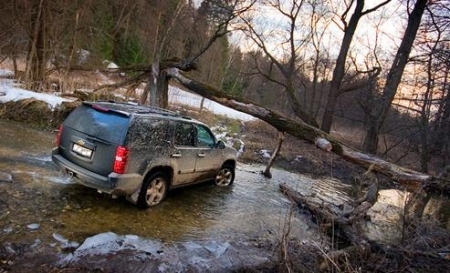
[(348, 218), (346, 222)]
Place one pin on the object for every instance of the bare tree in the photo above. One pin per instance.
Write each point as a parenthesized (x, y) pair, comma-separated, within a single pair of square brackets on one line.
[(379, 112), (433, 38), (339, 70), (286, 65)]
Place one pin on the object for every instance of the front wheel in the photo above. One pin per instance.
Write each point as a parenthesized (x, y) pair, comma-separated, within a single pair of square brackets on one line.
[(153, 191), (225, 177)]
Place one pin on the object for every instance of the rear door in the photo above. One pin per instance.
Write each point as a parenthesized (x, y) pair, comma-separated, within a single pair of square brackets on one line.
[(90, 137), (149, 143), (184, 154)]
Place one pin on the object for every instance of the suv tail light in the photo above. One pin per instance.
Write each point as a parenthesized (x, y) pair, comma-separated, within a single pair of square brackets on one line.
[(121, 159), (58, 136)]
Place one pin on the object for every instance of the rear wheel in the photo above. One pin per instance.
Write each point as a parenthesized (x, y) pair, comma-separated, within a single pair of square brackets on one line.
[(225, 176), (153, 191)]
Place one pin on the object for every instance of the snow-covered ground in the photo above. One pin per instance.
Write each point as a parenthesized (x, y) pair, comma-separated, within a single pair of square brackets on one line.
[(177, 95), (9, 91)]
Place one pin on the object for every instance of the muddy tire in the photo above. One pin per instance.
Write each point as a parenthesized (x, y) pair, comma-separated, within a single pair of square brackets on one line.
[(225, 177), (153, 191)]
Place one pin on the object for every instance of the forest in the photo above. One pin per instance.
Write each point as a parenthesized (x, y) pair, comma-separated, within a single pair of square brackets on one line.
[(316, 60), (370, 77)]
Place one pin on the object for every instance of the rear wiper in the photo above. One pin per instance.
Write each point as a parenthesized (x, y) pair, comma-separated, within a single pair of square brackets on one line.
[(98, 140)]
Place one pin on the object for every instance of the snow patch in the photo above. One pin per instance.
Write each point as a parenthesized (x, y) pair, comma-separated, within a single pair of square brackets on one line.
[(265, 153), (6, 73), (11, 93), (177, 95)]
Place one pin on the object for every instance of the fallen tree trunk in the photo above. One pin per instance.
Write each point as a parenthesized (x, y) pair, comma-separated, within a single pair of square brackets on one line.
[(409, 178), (349, 222)]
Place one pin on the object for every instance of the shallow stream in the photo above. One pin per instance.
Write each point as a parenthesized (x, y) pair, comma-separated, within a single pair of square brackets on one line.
[(40, 202)]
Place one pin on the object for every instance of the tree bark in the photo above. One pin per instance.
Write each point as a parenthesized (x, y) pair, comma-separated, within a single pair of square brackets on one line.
[(410, 178), (36, 59)]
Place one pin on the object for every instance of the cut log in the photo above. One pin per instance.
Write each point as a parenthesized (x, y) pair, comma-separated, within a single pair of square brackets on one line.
[(410, 178), (347, 222)]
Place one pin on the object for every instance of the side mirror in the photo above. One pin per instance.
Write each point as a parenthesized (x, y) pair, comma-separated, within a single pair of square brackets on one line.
[(220, 144)]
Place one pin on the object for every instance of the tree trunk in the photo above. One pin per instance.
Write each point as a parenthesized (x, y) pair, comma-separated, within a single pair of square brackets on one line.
[(371, 138), (267, 172), (36, 59), (151, 88), (163, 90), (300, 129), (379, 112), (297, 106), (339, 70)]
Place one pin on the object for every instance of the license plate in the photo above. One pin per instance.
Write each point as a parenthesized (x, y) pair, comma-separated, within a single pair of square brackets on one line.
[(82, 150)]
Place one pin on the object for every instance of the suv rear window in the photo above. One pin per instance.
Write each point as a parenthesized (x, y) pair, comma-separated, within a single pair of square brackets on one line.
[(108, 126)]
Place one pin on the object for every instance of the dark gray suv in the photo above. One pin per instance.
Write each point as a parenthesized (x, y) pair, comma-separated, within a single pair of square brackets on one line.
[(139, 152)]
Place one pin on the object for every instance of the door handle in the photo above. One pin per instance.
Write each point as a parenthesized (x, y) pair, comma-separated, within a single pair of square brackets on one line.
[(201, 155), (177, 154)]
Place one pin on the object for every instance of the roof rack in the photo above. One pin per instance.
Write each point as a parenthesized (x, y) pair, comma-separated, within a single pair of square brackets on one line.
[(138, 109)]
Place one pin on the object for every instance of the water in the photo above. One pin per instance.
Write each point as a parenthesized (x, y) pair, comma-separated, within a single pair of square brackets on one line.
[(40, 194), (41, 197)]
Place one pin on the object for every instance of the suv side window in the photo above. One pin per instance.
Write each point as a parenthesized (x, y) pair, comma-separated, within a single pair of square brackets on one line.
[(204, 137), (148, 132), (184, 134)]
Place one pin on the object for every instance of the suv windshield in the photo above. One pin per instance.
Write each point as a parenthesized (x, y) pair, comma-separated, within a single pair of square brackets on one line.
[(108, 126)]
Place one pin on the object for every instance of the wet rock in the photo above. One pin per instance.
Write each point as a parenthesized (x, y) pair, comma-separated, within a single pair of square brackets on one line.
[(5, 177), (65, 244), (9, 248), (71, 245), (265, 153), (34, 226), (58, 237), (36, 243), (8, 230), (216, 248)]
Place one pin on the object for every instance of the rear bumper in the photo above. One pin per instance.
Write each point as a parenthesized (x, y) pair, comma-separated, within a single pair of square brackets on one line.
[(118, 184)]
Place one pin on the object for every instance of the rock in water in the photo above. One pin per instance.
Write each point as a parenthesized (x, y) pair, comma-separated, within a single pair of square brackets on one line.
[(5, 177), (34, 226)]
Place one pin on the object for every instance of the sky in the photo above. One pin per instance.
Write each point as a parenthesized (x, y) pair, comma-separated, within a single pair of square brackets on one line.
[(382, 29)]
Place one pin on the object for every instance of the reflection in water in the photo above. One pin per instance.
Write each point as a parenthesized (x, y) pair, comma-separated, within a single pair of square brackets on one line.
[(387, 214)]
